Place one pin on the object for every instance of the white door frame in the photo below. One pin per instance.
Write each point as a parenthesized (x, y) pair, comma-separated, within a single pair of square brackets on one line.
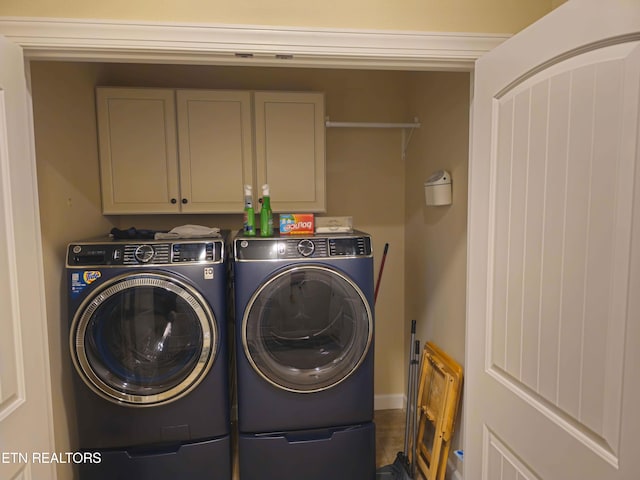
[(246, 45), (241, 45), (26, 417)]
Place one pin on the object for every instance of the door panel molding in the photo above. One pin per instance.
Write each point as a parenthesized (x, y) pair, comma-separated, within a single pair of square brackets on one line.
[(24, 473), (501, 463), (579, 53), (580, 432)]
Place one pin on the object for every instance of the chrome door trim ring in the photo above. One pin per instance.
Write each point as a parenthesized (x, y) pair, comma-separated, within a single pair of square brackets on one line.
[(287, 271), (131, 280)]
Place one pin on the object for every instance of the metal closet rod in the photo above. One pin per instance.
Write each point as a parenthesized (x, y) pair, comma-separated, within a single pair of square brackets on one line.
[(329, 123)]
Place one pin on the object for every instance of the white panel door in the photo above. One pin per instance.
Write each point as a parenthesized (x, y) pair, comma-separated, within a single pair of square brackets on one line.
[(25, 400), (553, 333)]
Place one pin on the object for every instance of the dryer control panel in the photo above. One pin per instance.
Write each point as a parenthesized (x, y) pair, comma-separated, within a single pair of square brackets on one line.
[(144, 253), (283, 248)]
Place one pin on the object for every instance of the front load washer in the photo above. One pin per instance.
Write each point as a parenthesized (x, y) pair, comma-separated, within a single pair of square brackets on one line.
[(304, 359), (148, 343)]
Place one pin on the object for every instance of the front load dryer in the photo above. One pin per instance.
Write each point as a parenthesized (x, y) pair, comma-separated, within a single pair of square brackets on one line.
[(148, 343), (304, 357)]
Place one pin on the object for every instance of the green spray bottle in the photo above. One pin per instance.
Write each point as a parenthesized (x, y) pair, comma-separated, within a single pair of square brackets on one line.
[(266, 215), (249, 214)]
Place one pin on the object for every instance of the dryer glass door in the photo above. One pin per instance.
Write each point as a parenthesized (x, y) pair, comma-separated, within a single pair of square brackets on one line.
[(307, 329), (143, 339)]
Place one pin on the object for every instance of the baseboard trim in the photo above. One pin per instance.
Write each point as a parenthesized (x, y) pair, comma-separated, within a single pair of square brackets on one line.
[(452, 472), (391, 401)]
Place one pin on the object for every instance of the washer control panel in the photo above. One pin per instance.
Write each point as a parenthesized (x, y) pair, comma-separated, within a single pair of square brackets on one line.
[(306, 247), (255, 248), (144, 253)]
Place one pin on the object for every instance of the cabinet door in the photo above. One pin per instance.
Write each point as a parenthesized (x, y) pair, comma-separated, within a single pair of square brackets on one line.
[(138, 150), (290, 149), (215, 145)]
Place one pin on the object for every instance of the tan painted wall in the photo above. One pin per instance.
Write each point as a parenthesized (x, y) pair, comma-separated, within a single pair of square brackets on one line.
[(497, 16), (365, 179), (436, 237)]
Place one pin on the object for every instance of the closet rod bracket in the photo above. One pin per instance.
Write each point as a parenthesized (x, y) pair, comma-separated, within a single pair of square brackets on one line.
[(404, 126)]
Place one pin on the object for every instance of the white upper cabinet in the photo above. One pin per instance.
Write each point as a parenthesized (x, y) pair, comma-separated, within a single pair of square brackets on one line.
[(191, 151), (138, 150), (215, 149), (290, 149)]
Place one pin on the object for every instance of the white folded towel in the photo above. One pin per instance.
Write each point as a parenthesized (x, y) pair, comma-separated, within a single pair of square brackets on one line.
[(189, 231)]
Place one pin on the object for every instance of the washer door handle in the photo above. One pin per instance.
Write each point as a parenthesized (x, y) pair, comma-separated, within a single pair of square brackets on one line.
[(309, 436)]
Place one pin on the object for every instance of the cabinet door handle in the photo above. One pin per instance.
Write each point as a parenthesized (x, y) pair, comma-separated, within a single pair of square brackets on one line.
[(184, 200), (174, 201)]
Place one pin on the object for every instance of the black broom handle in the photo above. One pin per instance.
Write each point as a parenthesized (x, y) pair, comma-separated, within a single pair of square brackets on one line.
[(384, 257)]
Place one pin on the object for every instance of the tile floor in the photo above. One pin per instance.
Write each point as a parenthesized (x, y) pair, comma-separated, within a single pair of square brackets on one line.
[(389, 435)]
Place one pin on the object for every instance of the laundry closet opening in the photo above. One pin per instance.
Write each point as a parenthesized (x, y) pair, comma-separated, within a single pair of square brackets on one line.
[(366, 178)]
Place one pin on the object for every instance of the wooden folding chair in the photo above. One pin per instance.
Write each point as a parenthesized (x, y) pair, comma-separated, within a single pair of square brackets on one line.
[(438, 398)]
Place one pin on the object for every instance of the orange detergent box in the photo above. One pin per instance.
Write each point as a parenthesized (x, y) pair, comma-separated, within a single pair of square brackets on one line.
[(296, 223)]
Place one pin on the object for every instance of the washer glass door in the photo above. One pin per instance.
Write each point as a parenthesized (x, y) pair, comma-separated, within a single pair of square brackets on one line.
[(307, 329), (143, 339)]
